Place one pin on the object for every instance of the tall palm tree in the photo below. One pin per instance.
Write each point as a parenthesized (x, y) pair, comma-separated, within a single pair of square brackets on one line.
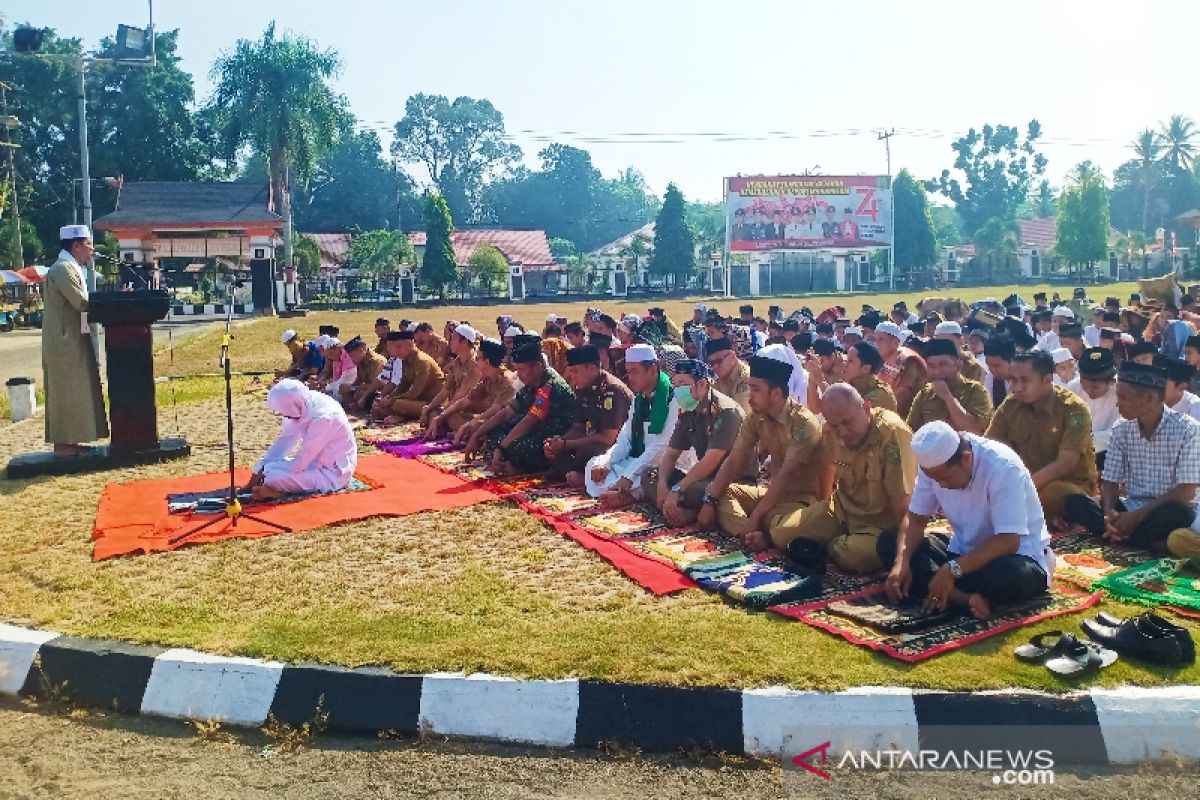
[(1179, 145), (272, 95), (1147, 146)]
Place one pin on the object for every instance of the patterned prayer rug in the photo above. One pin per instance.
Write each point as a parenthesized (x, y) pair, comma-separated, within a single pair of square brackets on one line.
[(372, 432), (1161, 581), (456, 463), (639, 519), (940, 636), (415, 447), (560, 500), (1081, 559), (753, 582), (213, 501)]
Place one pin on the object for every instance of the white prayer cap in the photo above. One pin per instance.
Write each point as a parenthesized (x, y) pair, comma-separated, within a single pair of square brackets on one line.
[(412, 326), (853, 330), (1062, 311), (467, 332), (74, 232), (1061, 354), (641, 352), (948, 327), (321, 341), (934, 444), (552, 318), (513, 330), (891, 329), (288, 335), (333, 342), (700, 307)]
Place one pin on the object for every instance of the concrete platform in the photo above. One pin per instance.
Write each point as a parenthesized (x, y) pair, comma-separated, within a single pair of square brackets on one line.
[(33, 465)]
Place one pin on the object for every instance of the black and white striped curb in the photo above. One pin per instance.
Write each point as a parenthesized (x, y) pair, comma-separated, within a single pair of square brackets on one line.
[(210, 309), (1109, 726)]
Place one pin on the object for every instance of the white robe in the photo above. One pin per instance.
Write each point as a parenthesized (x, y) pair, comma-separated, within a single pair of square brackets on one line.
[(315, 451), (798, 383), (622, 464), (1104, 413)]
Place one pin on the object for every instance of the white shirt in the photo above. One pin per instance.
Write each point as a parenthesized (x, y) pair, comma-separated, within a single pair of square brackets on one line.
[(1188, 404), (999, 498), (1104, 413), (1091, 335), (1048, 341), (393, 371), (622, 464)]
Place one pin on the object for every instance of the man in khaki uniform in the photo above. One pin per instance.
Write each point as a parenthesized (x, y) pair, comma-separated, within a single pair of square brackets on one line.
[(601, 408), (948, 396), (861, 370), (733, 374), (383, 327), (421, 382), (799, 474), (832, 361), (871, 449), (969, 366), (494, 390), (903, 370), (461, 374), (431, 344), (708, 426), (1050, 428), (359, 395)]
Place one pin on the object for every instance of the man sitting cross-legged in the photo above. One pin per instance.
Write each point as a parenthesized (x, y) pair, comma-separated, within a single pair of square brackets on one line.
[(1154, 456), (872, 453), (601, 407), (462, 375), (799, 475), (315, 451), (1050, 428), (707, 427), (358, 395), (999, 552), (615, 476), (948, 396), (513, 438), (494, 390), (420, 381)]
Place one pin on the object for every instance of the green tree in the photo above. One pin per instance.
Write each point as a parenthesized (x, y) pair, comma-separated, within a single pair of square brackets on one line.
[(459, 143), (274, 96), (32, 250), (947, 226), (916, 244), (379, 251), (355, 188), (707, 221), (1083, 218), (1178, 136), (563, 249), (999, 167), (674, 242), (997, 250), (489, 266), (307, 255), (438, 267)]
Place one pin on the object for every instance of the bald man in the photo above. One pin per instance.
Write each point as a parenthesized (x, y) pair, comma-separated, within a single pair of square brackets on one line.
[(876, 472)]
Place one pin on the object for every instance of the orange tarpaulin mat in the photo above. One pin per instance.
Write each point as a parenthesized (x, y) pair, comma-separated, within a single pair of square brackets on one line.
[(132, 517)]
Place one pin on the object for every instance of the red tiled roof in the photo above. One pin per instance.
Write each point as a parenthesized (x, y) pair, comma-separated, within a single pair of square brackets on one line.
[(332, 247), (529, 247), (1041, 232)]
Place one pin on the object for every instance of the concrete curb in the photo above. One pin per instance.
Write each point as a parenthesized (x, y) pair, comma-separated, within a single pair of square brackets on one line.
[(1115, 726), (209, 309)]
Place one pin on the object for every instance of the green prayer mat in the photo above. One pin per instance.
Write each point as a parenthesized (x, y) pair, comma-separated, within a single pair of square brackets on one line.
[(1163, 581)]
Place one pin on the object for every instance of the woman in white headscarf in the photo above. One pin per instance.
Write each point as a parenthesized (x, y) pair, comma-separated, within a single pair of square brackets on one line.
[(798, 384), (315, 451)]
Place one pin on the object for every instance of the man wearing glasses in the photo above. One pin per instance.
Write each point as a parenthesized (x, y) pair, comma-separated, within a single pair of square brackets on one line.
[(733, 374)]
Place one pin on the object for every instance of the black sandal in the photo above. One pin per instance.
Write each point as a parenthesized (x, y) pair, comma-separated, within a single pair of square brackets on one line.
[(1038, 648), (1072, 657)]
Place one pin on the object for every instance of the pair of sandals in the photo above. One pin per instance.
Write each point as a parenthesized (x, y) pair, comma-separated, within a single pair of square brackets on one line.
[(1065, 654)]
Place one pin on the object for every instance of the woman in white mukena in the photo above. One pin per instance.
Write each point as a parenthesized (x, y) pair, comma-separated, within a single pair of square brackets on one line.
[(315, 451)]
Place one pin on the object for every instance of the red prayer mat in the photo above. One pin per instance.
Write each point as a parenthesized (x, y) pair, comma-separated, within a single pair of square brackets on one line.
[(132, 517)]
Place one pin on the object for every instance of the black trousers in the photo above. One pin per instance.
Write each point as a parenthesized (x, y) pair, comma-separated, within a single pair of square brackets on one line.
[(1156, 527), (1008, 579)]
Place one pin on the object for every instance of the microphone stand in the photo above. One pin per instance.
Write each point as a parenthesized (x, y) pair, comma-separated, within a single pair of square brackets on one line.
[(233, 506)]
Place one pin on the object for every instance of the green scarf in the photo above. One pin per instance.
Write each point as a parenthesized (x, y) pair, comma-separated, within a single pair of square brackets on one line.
[(655, 410)]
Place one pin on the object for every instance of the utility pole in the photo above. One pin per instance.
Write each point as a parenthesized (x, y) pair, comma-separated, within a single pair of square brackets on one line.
[(886, 137), (9, 123)]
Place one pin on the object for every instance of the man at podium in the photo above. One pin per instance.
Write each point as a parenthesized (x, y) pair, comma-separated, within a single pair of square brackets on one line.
[(70, 373)]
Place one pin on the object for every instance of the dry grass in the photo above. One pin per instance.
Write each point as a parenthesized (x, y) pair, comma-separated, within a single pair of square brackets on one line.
[(481, 588)]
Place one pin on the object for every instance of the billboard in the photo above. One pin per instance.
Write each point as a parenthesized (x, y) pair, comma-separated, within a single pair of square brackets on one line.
[(807, 212)]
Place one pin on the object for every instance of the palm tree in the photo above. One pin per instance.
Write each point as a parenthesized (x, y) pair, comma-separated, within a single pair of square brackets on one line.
[(273, 95), (1179, 146), (1147, 147)]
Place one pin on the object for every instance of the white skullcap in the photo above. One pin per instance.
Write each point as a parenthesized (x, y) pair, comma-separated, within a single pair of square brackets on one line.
[(552, 318), (700, 307), (1062, 311), (853, 330), (412, 326), (513, 330), (641, 352), (467, 332), (891, 329), (1061, 354), (74, 232), (288, 335), (334, 342), (934, 444), (947, 327), (322, 341)]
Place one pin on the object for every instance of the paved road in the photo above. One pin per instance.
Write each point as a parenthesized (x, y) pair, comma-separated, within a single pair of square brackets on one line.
[(21, 350)]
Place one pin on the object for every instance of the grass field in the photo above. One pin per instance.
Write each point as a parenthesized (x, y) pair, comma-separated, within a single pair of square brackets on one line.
[(484, 588)]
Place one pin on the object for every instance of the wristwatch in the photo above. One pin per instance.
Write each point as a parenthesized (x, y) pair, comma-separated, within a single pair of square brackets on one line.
[(955, 568), (708, 498)]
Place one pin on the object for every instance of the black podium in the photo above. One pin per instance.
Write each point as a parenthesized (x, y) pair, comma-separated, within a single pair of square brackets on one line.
[(133, 416)]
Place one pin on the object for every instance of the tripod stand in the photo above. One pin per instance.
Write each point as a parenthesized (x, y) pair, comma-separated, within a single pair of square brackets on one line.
[(233, 506)]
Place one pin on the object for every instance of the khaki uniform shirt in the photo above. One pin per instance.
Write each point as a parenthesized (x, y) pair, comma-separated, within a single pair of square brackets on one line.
[(837, 373), (737, 386), (422, 380), (794, 432), (927, 406), (714, 423), (970, 368), (438, 348), (875, 391), (1038, 431), (381, 348), (498, 390), (369, 368), (461, 376), (604, 405), (870, 477)]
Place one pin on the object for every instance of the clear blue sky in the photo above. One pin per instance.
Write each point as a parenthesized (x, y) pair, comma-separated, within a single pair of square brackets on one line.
[(1093, 73)]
